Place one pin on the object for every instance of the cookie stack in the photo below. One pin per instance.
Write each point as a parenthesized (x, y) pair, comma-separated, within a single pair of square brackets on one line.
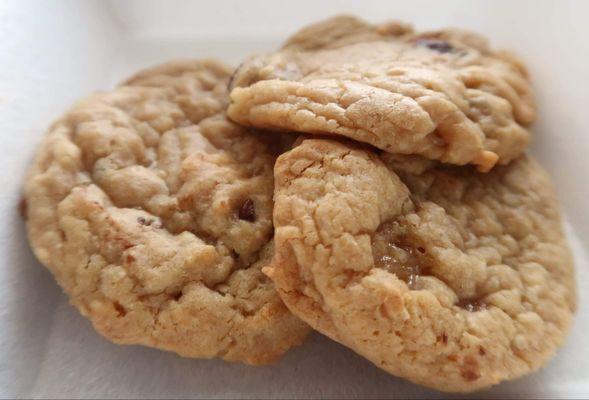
[(369, 182)]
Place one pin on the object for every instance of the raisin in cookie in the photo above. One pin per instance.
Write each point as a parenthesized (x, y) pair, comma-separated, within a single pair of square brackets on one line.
[(444, 95), (443, 275), (154, 213)]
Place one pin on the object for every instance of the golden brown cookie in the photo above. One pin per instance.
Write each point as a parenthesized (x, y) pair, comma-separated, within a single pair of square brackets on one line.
[(153, 211), (443, 275), (445, 95)]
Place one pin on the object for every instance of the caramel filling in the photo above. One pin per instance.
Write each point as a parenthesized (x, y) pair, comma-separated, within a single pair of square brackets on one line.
[(392, 254), (472, 305)]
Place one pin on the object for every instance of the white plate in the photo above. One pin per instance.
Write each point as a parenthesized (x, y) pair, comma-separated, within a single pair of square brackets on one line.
[(52, 53)]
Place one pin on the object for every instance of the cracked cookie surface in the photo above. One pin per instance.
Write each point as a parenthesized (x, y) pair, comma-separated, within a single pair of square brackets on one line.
[(154, 213), (443, 275), (445, 95)]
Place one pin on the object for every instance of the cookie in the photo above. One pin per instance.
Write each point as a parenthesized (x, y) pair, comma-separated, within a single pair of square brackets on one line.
[(444, 95), (154, 213), (451, 278)]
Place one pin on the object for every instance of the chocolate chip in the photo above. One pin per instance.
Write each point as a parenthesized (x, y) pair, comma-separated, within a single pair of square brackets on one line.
[(122, 311), (247, 211), (22, 208), (441, 46)]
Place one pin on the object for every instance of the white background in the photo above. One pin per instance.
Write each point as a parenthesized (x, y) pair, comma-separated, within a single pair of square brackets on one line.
[(52, 53)]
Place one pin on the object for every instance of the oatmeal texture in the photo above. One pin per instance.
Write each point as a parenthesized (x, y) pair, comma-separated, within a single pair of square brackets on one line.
[(443, 275), (445, 95), (154, 213)]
